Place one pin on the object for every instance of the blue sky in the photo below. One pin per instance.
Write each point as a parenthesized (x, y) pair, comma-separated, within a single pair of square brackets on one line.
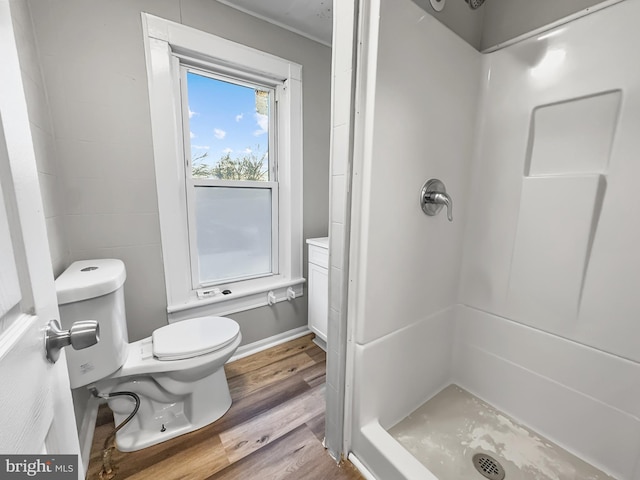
[(223, 118)]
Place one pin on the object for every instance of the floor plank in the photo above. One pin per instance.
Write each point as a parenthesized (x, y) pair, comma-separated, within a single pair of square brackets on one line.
[(322, 467), (274, 428), (262, 400), (200, 461), (295, 456), (318, 354), (316, 425), (242, 385), (314, 375), (269, 356), (247, 437)]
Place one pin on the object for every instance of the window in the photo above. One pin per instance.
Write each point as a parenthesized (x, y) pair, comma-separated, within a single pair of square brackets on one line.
[(231, 178), (227, 139)]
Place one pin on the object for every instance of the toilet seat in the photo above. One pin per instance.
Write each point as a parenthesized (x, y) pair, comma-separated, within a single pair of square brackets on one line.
[(193, 337)]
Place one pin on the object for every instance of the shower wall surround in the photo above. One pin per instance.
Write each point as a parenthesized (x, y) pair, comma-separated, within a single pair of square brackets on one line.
[(551, 267), (553, 243), (537, 144), (415, 120)]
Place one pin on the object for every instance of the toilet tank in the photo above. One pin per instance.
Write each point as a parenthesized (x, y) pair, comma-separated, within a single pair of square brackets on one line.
[(93, 290)]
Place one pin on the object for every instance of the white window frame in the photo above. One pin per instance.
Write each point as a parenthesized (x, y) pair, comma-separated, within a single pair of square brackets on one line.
[(167, 45), (192, 182)]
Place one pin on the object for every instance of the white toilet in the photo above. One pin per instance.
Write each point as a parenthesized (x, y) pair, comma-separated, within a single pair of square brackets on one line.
[(177, 372)]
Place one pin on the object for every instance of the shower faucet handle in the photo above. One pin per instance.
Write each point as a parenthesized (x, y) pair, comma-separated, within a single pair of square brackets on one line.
[(433, 197), (441, 198)]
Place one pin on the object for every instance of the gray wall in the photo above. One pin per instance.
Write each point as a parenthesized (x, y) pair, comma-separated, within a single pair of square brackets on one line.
[(500, 20), (42, 133), (507, 19), (457, 16), (93, 64)]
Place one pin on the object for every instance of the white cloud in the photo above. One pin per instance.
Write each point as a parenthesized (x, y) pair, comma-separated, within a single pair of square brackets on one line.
[(247, 150), (239, 117), (192, 135), (200, 147), (192, 113), (227, 150), (219, 133), (263, 123)]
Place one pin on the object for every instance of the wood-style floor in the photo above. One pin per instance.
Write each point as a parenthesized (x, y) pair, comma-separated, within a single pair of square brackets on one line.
[(274, 428)]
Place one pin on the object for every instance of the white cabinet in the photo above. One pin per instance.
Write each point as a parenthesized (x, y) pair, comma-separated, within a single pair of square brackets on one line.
[(319, 287)]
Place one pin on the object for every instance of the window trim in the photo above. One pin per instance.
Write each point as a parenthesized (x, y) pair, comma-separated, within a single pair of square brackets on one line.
[(166, 45)]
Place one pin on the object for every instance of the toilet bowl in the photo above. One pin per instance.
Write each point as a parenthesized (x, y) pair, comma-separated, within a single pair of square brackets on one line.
[(177, 372)]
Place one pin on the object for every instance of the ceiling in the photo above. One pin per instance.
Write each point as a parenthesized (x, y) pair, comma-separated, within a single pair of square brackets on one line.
[(309, 18)]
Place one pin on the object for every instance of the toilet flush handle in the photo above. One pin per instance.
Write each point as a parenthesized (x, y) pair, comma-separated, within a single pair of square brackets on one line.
[(81, 335)]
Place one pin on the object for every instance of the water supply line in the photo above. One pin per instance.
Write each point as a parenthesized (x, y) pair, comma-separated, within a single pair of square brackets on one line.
[(108, 470)]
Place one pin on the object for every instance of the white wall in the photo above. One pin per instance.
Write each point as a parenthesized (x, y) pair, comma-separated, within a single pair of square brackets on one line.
[(415, 121), (557, 162), (551, 268), (425, 113), (93, 63), (42, 133)]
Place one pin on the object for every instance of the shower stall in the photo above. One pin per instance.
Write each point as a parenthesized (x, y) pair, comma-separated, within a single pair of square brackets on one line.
[(529, 301)]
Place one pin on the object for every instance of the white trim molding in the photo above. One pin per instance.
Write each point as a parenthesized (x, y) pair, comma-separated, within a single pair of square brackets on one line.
[(87, 430), (238, 301), (266, 343)]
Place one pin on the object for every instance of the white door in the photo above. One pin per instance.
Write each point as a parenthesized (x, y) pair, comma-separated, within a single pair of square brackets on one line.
[(36, 411)]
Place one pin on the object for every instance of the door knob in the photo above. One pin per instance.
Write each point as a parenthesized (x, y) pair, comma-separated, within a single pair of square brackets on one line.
[(81, 335), (433, 197)]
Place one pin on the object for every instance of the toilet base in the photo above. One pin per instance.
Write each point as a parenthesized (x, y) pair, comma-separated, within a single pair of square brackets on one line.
[(157, 422)]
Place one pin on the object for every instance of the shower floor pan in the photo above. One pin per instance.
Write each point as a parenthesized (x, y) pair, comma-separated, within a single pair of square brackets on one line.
[(446, 432)]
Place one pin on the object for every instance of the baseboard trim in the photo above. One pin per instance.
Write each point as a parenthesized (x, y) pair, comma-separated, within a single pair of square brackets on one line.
[(364, 471), (321, 343), (87, 429), (264, 344)]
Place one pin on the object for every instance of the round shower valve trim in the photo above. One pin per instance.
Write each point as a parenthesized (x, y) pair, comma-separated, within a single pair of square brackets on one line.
[(433, 197)]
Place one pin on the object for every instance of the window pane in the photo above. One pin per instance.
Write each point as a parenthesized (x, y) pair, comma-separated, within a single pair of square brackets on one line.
[(233, 232), (228, 129)]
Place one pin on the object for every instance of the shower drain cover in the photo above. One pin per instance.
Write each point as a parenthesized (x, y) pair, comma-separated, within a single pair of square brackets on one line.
[(488, 466)]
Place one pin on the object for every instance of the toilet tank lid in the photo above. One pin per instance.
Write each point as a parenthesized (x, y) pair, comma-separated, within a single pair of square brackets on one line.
[(87, 279)]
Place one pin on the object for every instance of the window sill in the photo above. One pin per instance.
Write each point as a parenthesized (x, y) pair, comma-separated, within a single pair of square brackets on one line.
[(238, 301)]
